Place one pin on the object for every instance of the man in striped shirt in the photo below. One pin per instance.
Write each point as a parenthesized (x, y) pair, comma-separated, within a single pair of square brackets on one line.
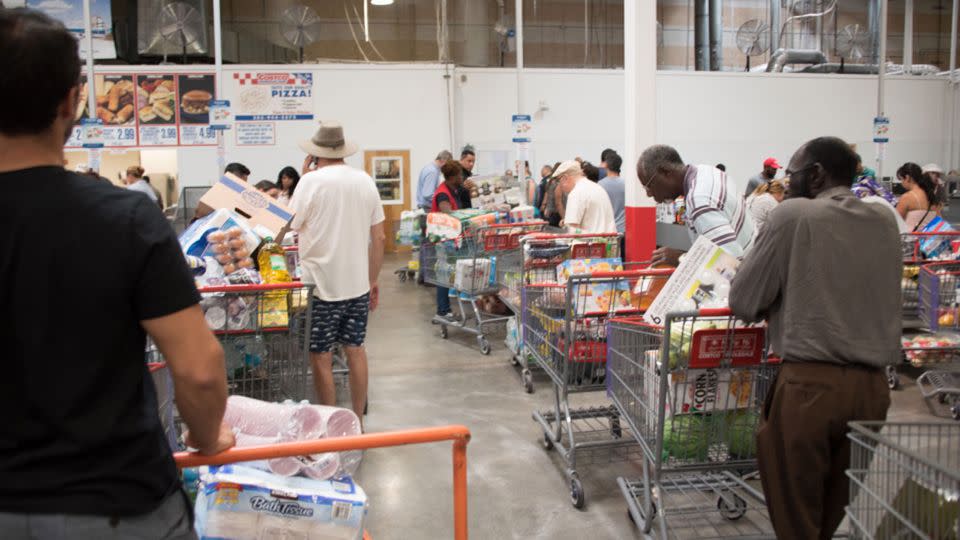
[(714, 208)]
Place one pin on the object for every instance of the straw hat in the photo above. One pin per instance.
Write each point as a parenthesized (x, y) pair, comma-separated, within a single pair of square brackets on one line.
[(329, 143)]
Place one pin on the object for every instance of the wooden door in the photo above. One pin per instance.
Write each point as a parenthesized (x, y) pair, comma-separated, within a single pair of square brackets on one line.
[(390, 169)]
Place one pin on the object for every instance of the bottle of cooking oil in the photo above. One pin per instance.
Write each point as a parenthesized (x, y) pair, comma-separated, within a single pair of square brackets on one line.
[(273, 262)]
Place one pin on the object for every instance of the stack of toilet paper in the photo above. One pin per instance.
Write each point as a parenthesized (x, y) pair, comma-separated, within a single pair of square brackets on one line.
[(241, 503), (258, 423)]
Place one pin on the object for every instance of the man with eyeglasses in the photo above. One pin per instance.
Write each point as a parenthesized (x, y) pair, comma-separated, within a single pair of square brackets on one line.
[(714, 208), (825, 273)]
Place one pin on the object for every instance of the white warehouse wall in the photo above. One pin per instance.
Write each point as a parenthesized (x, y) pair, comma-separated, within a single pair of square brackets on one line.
[(737, 119)]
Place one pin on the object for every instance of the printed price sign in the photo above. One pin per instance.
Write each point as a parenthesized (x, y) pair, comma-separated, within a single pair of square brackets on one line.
[(256, 133), (197, 136), (221, 118), (92, 133), (881, 129), (522, 126), (158, 135)]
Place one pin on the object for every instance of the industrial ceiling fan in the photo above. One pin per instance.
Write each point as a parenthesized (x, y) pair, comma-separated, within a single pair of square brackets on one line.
[(753, 39), (300, 26), (853, 41), (180, 26)]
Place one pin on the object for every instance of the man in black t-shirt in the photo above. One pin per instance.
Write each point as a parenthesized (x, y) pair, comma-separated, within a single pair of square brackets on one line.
[(87, 271), (468, 158)]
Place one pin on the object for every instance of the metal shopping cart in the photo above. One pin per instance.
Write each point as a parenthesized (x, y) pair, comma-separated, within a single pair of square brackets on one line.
[(459, 435), (265, 334), (565, 332), (904, 480), (691, 393), (466, 266), (540, 254), (939, 301)]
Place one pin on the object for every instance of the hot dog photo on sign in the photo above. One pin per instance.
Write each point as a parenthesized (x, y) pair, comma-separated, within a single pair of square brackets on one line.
[(196, 91)]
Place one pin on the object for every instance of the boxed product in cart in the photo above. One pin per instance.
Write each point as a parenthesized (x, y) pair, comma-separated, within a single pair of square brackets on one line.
[(472, 274), (238, 502), (265, 215)]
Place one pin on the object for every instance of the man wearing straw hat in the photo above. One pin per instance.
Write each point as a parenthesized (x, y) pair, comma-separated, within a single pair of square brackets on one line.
[(339, 219)]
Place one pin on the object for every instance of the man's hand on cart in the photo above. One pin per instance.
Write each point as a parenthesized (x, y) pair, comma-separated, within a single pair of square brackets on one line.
[(374, 296), (225, 441), (665, 256)]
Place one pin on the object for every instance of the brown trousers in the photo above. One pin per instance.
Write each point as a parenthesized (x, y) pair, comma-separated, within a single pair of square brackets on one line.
[(802, 447)]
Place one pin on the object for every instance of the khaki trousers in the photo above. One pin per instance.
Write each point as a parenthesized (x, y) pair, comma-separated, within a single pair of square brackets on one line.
[(802, 447)]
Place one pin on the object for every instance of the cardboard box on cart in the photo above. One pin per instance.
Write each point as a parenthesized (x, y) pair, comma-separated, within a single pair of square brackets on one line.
[(266, 216)]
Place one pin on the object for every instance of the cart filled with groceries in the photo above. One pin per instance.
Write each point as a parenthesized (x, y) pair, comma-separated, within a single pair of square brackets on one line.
[(690, 392), (253, 302), (459, 253), (540, 254), (938, 352), (565, 332)]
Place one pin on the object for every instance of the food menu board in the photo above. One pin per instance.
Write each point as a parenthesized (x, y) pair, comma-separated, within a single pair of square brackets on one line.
[(149, 110), (156, 110), (196, 91)]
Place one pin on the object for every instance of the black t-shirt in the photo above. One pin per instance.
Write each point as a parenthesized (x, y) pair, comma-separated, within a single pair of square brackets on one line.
[(81, 263)]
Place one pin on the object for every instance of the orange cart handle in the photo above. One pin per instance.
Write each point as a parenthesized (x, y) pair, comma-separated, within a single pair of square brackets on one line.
[(290, 285), (459, 435)]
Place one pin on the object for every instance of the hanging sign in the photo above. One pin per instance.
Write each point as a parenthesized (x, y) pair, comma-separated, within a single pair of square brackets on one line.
[(522, 126), (881, 129), (273, 96)]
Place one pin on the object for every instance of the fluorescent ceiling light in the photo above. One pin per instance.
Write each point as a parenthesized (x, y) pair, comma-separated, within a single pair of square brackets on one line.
[(381, 2)]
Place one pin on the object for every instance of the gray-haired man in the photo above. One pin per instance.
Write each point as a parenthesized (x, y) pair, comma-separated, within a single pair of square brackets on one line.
[(430, 179)]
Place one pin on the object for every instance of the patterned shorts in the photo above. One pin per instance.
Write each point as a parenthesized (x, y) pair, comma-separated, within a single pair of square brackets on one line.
[(343, 322)]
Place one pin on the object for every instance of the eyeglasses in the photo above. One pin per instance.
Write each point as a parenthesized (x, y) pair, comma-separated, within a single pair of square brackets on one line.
[(647, 185)]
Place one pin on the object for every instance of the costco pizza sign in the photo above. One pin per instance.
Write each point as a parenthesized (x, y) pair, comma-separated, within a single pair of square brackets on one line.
[(273, 96)]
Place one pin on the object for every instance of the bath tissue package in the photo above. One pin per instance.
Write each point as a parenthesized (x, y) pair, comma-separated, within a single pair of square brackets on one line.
[(241, 503)]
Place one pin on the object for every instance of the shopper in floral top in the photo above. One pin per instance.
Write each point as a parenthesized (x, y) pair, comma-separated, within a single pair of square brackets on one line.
[(866, 184)]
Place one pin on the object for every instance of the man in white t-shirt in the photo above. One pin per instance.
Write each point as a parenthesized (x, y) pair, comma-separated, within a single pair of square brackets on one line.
[(588, 207), (339, 219)]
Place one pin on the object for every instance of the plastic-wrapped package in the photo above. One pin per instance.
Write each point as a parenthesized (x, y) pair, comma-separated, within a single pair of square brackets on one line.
[(238, 502), (259, 422)]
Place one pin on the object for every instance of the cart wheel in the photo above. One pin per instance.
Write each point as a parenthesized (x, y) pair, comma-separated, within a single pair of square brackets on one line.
[(576, 492), (443, 331), (547, 442), (615, 428), (403, 277), (893, 380), (514, 361), (527, 376), (734, 512), (955, 411), (484, 345)]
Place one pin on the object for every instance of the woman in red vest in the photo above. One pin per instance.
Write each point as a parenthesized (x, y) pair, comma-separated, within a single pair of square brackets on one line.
[(445, 200)]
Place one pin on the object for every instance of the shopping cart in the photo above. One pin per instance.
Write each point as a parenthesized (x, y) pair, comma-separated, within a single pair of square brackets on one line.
[(565, 332), (939, 301), (459, 435), (540, 254), (904, 480), (916, 247), (265, 334), (465, 265), (691, 393)]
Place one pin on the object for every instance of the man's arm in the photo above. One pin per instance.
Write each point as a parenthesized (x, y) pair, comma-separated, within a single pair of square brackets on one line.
[(759, 280), (196, 362), (377, 239)]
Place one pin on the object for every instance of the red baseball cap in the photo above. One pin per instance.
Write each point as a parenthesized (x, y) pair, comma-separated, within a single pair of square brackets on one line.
[(771, 162)]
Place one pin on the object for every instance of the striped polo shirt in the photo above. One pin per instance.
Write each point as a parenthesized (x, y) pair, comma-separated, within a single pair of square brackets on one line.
[(715, 209)]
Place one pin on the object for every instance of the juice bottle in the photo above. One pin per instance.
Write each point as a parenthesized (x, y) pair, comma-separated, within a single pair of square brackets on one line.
[(273, 262)]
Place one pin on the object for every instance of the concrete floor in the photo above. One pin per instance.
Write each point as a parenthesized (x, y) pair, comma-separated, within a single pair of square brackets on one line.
[(516, 488)]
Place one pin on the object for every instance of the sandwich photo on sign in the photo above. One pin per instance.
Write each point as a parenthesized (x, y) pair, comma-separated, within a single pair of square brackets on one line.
[(196, 91), (156, 99)]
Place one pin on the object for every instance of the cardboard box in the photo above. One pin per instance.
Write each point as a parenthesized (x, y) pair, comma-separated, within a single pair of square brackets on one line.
[(266, 216)]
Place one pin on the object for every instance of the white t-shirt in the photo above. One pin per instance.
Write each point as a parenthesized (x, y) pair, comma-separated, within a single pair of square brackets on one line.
[(335, 207), (143, 187), (589, 208)]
